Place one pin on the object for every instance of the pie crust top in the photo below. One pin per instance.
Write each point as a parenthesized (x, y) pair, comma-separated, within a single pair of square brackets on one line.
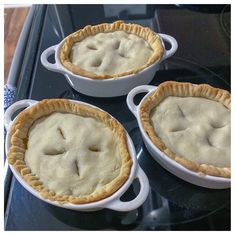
[(191, 124), (70, 152), (110, 50), (111, 53)]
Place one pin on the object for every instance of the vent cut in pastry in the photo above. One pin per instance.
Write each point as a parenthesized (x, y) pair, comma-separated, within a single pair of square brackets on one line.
[(110, 50), (191, 124), (69, 152)]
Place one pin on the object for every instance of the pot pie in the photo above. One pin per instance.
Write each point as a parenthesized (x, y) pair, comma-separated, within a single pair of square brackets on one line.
[(69, 152), (190, 124), (110, 50)]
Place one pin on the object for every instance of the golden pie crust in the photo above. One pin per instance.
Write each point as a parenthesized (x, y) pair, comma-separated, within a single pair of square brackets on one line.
[(143, 32), (179, 89), (19, 139)]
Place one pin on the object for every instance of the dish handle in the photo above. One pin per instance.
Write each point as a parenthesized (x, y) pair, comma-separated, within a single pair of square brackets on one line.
[(44, 59), (137, 90), (8, 116), (173, 43), (119, 205)]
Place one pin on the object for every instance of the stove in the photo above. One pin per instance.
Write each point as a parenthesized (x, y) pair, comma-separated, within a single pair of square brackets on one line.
[(203, 56)]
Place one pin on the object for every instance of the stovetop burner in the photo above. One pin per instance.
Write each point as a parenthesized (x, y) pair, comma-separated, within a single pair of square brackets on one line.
[(225, 20)]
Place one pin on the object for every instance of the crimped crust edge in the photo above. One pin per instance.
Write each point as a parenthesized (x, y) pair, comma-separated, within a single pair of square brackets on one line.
[(171, 88), (146, 33), (18, 142)]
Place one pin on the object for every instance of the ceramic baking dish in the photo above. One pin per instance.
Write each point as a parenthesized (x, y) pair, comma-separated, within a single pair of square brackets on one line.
[(165, 161), (112, 202), (106, 87)]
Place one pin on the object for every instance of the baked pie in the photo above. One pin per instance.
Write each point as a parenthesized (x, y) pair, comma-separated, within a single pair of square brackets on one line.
[(69, 152), (110, 50), (191, 124)]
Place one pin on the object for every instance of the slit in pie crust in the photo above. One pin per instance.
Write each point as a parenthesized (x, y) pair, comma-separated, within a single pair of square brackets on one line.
[(191, 124), (69, 152), (110, 50)]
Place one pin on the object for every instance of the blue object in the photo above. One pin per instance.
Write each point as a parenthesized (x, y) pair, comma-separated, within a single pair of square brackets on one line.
[(9, 98), (9, 95)]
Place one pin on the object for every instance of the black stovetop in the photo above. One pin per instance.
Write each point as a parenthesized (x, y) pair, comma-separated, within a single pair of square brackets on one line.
[(203, 56)]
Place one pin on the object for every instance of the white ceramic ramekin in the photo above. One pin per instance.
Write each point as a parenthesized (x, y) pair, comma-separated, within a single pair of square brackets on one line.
[(112, 202), (165, 161), (106, 87)]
